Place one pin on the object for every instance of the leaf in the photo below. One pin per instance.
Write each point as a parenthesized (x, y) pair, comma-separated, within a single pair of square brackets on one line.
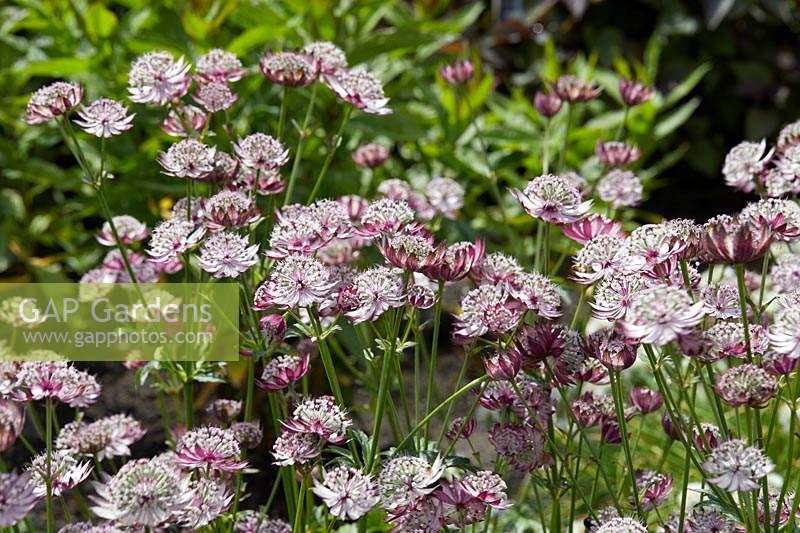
[(11, 203), (54, 67), (257, 36), (195, 27), (676, 119), (100, 21), (716, 11), (686, 86)]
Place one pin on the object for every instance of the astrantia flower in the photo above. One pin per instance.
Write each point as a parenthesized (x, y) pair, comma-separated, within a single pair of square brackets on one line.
[(708, 519), (296, 281), (361, 89), (746, 385), (322, 417), (295, 448), (612, 297), (330, 57), (405, 480), (269, 181), (552, 199), (261, 151), (634, 92), (421, 297), (156, 78), (256, 522), (502, 365), (446, 196), (734, 466), (209, 447), (521, 445), (129, 229), (219, 66), (53, 101), (247, 434), (611, 348), (605, 256), (744, 163), (548, 105), (620, 188), (210, 498), (188, 158), (486, 309), (12, 420), (348, 493), (653, 488), (215, 96), (646, 400), (591, 226), (537, 293), (727, 339), (38, 380), (182, 117), (144, 493), (283, 370), (615, 153), (781, 216), (370, 155), (289, 68), (104, 438), (621, 525), (17, 497), (458, 72), (460, 508), (305, 229), (659, 314), (784, 334), (384, 216), (460, 428), (230, 209), (659, 243), (458, 260), (375, 291), (65, 472), (105, 118), (425, 515), (224, 410), (172, 238), (721, 300), (488, 487), (227, 255), (573, 89)]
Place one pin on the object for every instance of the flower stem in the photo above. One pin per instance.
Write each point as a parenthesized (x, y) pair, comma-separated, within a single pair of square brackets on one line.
[(384, 386), (437, 320), (282, 113), (743, 306), (48, 466), (337, 140), (616, 388), (301, 141), (562, 158)]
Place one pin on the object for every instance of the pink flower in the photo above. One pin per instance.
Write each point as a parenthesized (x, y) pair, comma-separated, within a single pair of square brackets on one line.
[(370, 155), (156, 78), (603, 256), (384, 216), (227, 255), (634, 92), (272, 328), (659, 314), (375, 291), (17, 497), (38, 380), (405, 480), (537, 293), (502, 366), (458, 72), (412, 249), (320, 416), (348, 493), (330, 57), (612, 297), (181, 117), (261, 151), (52, 101), (209, 447), (105, 118), (283, 370), (781, 216), (188, 158), (458, 260), (172, 238), (129, 229), (552, 199), (65, 472), (573, 89), (591, 226), (744, 164), (730, 240), (219, 66), (486, 309), (361, 89), (746, 385), (612, 349), (615, 153), (295, 448), (548, 105), (215, 96), (620, 188), (521, 445), (296, 281), (645, 400), (290, 68), (12, 420)]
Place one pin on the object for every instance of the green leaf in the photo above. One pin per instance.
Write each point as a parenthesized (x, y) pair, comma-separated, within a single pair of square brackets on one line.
[(57, 66), (675, 119), (686, 86), (100, 22), (195, 27), (257, 36)]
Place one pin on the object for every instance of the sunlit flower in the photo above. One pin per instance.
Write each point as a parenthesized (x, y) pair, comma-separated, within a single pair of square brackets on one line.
[(458, 260), (370, 155), (375, 291), (188, 158), (573, 89), (621, 525), (605, 256), (548, 105), (411, 250), (611, 348), (209, 447), (215, 96), (361, 89), (486, 309), (182, 117), (17, 497), (230, 209), (446, 196), (295, 448), (659, 314), (620, 188), (708, 519), (405, 480), (653, 488), (537, 293), (646, 400), (721, 300), (224, 410), (458, 72), (521, 445), (105, 118), (591, 226), (38, 380), (296, 281), (615, 153), (634, 92), (52, 101), (211, 497), (784, 334), (612, 297), (172, 238), (781, 216), (261, 151), (12, 420), (421, 297), (156, 78), (552, 199), (65, 472), (289, 68), (734, 466), (219, 66), (746, 385), (331, 58), (104, 438), (322, 417), (283, 370), (384, 216), (460, 508), (744, 163), (348, 493), (227, 255), (727, 339), (425, 515)]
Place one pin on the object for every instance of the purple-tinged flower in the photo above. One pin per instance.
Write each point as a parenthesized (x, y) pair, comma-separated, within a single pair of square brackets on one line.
[(660, 243), (211, 497), (613, 296), (781, 216), (227, 255), (425, 515), (129, 229), (411, 249), (547, 104), (104, 438), (181, 117), (573, 89), (503, 365), (710, 520), (605, 256), (405, 480), (520, 444), (172, 238), (446, 196), (229, 209), (188, 158), (727, 340), (370, 155), (256, 522), (283, 370), (215, 96), (145, 493), (612, 349), (38, 380), (17, 497), (486, 309), (348, 493), (261, 151), (361, 89), (552, 199), (247, 434), (220, 66), (659, 314), (224, 410), (269, 181), (105, 118), (537, 293), (330, 57), (784, 333), (621, 525), (744, 164), (610, 432), (375, 291), (12, 420), (488, 487), (620, 188), (460, 428), (602, 516), (588, 409), (558, 346), (209, 447), (272, 327), (65, 472), (460, 508), (384, 216), (734, 466), (496, 269), (156, 78), (592, 371), (295, 448), (52, 101), (721, 300), (746, 385), (458, 260), (669, 427), (634, 92), (322, 417), (706, 436), (590, 227), (646, 400), (785, 273), (779, 364), (289, 68), (533, 397), (421, 297), (305, 229), (296, 281), (653, 488), (616, 153), (458, 72)]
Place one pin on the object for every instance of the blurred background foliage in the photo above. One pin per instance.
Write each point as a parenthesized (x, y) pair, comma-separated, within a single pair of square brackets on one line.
[(724, 70)]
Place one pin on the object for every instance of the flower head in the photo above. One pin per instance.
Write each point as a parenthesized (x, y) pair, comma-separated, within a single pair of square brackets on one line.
[(446, 196), (290, 68), (547, 104), (260, 151), (746, 385), (613, 296), (370, 155), (591, 226), (721, 300), (620, 188), (458, 72), (227, 255), (361, 89), (384, 216), (156, 78), (209, 447), (104, 438), (247, 434), (38, 380), (521, 445), (52, 101), (129, 229), (730, 240), (283, 370), (215, 96), (320, 416), (181, 118), (537, 293), (65, 472), (621, 525), (405, 480), (105, 118), (348, 493), (646, 400), (734, 466), (460, 428), (12, 420), (615, 153), (171, 238), (295, 448), (17, 497), (612, 349), (219, 66), (605, 256), (188, 158), (573, 89), (375, 291), (330, 57), (744, 163), (486, 309), (230, 209), (659, 314), (296, 281), (781, 216), (653, 488), (552, 199), (634, 92), (458, 260)]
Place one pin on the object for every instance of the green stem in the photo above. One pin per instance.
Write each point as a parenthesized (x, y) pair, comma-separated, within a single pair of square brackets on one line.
[(437, 319), (546, 147), (337, 140), (298, 153), (48, 465), (282, 113), (562, 158), (383, 391), (616, 388), (743, 306)]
